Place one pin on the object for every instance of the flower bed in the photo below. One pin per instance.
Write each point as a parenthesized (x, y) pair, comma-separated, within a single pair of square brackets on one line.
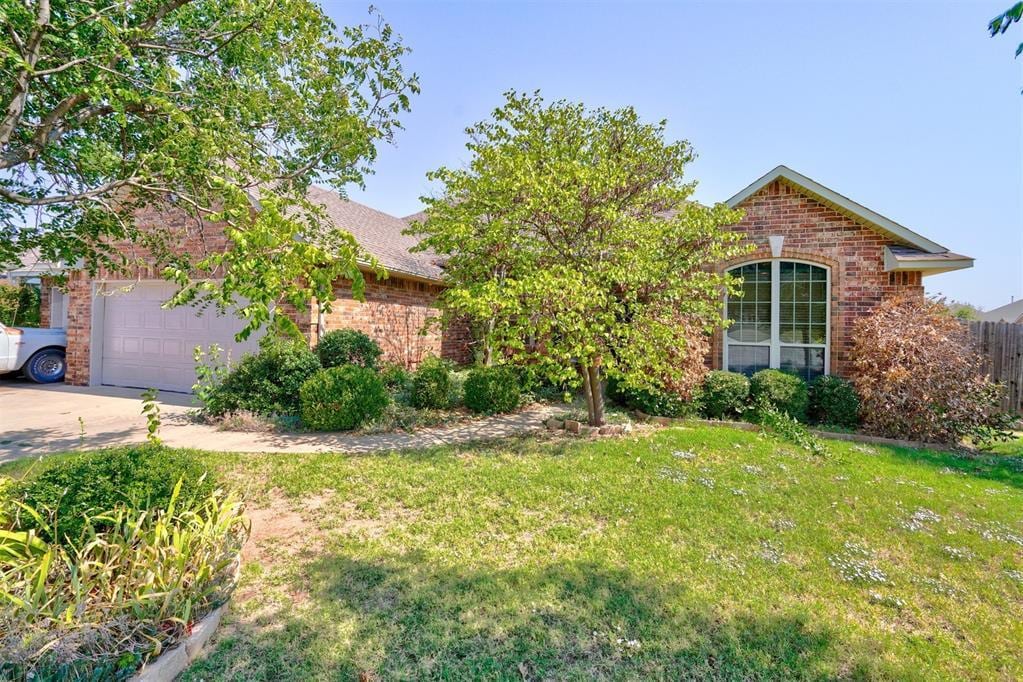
[(135, 579)]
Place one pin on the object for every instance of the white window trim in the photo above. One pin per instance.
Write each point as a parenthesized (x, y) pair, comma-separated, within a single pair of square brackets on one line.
[(774, 360)]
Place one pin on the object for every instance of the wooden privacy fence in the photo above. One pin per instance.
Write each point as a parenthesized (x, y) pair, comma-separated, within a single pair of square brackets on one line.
[(1002, 345)]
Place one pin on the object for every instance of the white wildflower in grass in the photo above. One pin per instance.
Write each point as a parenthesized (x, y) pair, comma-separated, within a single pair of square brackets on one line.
[(951, 471), (706, 482), (673, 475), (886, 600), (920, 520), (938, 586), (687, 455), (1015, 575), (958, 553), (752, 469), (738, 492), (841, 478), (854, 565), (994, 530), (864, 449), (994, 491), (855, 570), (782, 524), (726, 560), (771, 552)]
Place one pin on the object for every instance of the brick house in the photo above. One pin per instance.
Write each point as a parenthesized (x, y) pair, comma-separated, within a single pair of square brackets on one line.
[(118, 334), (821, 261)]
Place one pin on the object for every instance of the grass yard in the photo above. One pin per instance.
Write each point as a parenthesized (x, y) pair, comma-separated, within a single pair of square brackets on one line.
[(688, 554)]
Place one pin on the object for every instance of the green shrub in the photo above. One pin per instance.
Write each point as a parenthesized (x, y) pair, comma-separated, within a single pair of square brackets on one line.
[(268, 382), (784, 391), (348, 347), (833, 401), (659, 403), (492, 390), (342, 398), (396, 378), (431, 384), (456, 387), (19, 305), (724, 394), (139, 477)]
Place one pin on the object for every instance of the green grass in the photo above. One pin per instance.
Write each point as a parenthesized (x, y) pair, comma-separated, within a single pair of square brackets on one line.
[(691, 554)]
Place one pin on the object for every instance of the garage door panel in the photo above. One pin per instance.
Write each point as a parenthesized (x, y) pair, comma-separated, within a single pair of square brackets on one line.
[(147, 346)]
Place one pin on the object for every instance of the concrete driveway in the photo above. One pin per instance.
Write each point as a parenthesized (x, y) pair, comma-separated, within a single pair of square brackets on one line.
[(40, 420)]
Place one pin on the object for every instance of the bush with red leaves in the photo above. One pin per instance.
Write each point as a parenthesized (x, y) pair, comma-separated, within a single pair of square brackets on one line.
[(920, 376)]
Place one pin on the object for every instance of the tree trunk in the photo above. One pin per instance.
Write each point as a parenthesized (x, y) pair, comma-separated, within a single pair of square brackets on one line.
[(595, 403), (587, 392)]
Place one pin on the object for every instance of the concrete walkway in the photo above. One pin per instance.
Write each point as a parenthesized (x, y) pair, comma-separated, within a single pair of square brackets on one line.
[(40, 420)]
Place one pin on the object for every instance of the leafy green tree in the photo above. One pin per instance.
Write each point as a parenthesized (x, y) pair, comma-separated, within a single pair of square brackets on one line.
[(571, 240), (223, 109), (1003, 21)]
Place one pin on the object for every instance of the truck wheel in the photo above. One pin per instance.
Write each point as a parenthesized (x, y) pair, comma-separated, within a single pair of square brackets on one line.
[(46, 366)]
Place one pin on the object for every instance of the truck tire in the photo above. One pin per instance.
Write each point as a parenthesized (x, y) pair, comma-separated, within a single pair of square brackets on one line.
[(46, 366)]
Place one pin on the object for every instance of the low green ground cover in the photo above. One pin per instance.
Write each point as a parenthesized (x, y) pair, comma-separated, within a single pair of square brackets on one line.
[(693, 553)]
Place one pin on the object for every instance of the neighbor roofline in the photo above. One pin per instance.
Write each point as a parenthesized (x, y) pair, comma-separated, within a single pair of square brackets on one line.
[(843, 203)]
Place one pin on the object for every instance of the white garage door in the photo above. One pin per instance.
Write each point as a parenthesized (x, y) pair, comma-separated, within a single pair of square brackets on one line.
[(146, 346)]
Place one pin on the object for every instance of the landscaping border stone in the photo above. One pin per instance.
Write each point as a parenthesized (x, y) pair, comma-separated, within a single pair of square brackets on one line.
[(171, 663)]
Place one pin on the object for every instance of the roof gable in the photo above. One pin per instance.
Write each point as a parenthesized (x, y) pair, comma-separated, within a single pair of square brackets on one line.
[(841, 203)]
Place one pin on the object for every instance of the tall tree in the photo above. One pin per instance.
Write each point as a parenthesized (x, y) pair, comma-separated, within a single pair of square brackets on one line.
[(213, 107), (1003, 21), (571, 240)]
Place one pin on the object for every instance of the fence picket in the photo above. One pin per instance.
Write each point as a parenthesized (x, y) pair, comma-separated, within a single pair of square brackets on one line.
[(1002, 346)]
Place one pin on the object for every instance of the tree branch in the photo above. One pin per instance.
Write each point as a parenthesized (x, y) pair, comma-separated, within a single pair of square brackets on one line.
[(19, 96)]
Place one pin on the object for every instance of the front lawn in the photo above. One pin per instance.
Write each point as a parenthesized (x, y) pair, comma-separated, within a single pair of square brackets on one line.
[(694, 553)]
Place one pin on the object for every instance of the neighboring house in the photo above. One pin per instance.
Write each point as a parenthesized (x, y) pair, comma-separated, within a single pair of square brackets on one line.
[(1010, 312), (821, 262)]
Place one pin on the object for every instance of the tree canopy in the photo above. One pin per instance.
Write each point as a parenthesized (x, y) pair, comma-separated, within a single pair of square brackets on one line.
[(1003, 21), (223, 109), (572, 244)]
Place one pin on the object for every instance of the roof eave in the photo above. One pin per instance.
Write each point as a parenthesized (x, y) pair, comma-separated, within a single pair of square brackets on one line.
[(926, 266), (842, 203)]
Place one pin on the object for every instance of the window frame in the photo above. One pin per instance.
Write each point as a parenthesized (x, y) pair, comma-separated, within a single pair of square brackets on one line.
[(774, 342)]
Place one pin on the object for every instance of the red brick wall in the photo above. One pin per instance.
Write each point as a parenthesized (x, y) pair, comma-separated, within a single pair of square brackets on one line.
[(819, 234), (396, 314), (79, 327)]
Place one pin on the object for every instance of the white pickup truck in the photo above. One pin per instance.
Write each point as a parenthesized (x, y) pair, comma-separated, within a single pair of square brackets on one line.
[(36, 353)]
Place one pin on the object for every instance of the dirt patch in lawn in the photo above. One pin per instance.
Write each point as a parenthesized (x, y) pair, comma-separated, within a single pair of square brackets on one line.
[(281, 526)]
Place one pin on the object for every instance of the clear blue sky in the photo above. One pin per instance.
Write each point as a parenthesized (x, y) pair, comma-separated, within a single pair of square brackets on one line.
[(908, 108)]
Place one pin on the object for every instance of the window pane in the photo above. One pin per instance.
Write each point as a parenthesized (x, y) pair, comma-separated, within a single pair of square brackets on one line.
[(807, 363), (750, 312), (748, 359)]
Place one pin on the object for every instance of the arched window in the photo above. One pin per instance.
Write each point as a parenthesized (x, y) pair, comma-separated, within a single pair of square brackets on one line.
[(781, 320)]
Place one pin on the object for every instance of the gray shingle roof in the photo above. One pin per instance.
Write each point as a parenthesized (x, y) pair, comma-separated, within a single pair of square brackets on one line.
[(380, 234)]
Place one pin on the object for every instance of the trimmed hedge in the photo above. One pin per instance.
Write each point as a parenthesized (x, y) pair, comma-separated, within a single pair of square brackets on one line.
[(139, 477), (724, 394), (431, 385), (348, 347), (342, 398), (268, 382), (833, 401), (492, 390), (781, 390)]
